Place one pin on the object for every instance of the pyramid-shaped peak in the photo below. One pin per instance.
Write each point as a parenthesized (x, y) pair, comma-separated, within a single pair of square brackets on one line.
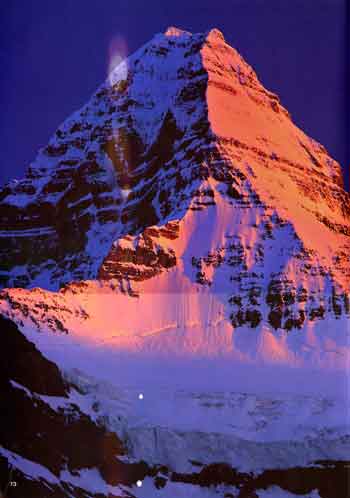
[(182, 112), (174, 31), (215, 34)]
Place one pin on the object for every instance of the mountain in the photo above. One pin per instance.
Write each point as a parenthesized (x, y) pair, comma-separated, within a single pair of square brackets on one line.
[(183, 182), (178, 237)]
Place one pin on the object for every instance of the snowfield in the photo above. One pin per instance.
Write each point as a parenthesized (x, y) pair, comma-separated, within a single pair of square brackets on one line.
[(251, 432), (186, 429), (179, 490)]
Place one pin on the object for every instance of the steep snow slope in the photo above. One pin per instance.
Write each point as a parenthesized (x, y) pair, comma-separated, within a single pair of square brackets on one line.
[(188, 322)]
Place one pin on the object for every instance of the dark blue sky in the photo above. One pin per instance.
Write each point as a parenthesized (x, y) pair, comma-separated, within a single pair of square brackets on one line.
[(54, 54)]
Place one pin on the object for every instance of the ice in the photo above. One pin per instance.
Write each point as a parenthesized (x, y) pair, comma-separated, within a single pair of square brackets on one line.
[(249, 431), (30, 469)]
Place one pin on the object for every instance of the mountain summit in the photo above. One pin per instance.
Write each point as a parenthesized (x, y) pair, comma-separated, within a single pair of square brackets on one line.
[(181, 211)]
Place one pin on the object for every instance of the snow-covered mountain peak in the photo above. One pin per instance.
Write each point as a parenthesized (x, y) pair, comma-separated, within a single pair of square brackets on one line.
[(184, 178), (180, 251), (176, 32), (215, 34)]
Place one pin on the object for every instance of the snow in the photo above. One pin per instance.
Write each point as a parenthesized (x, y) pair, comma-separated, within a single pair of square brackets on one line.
[(276, 492), (20, 200), (91, 481), (188, 413), (172, 425), (172, 31), (119, 73), (178, 490), (29, 468), (16, 385), (88, 479), (181, 490), (194, 320), (253, 397), (30, 232), (153, 84)]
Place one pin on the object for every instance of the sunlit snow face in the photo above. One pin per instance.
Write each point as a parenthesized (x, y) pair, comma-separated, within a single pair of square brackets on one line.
[(117, 65)]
